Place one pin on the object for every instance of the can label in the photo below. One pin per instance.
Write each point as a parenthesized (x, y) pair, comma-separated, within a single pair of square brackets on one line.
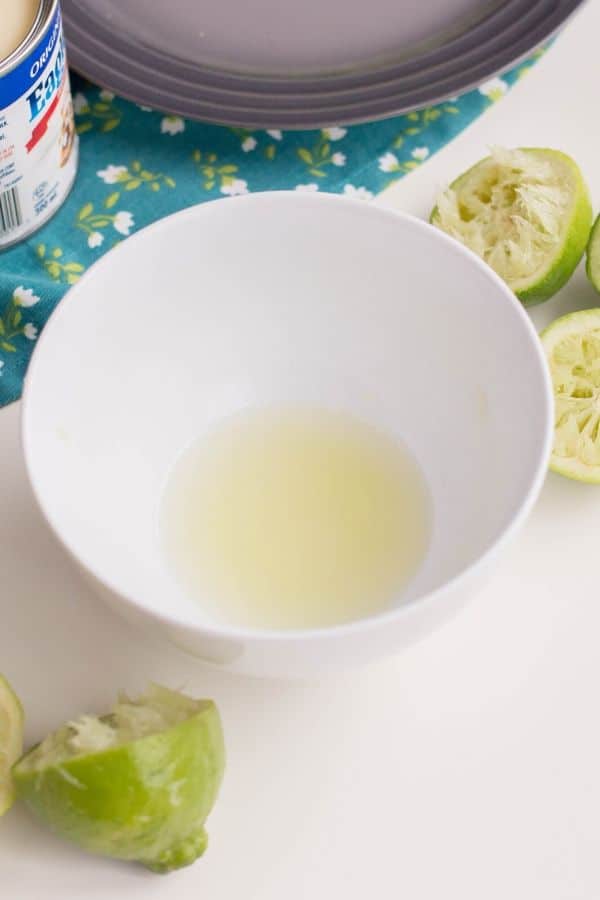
[(38, 143)]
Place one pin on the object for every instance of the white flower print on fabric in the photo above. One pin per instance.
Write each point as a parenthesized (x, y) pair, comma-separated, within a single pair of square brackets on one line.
[(275, 133), (307, 188), (111, 174), (96, 239), (360, 193), (388, 162), (107, 96), (1, 367), (25, 297), (339, 159), (335, 134), (172, 125), (494, 88), (80, 102), (420, 153), (234, 187), (30, 331), (123, 222), (248, 144)]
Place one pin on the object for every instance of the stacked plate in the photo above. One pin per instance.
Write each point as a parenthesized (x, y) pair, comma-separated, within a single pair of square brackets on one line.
[(301, 63)]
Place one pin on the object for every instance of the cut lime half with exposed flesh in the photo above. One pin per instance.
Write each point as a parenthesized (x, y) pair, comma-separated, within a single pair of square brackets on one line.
[(526, 212), (593, 255), (11, 741), (572, 345), (134, 784)]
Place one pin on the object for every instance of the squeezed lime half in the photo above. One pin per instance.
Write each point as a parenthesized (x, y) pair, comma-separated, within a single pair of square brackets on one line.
[(136, 784), (572, 346), (526, 212), (11, 741)]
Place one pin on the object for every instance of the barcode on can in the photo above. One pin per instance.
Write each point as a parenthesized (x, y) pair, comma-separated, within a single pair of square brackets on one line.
[(11, 216)]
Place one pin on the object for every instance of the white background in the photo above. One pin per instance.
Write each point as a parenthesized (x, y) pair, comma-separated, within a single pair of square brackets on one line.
[(468, 767)]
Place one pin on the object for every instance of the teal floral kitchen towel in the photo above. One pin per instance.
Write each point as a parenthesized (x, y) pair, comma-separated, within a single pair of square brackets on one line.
[(138, 165)]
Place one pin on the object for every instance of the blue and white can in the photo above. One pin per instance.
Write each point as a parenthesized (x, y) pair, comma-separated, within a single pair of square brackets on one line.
[(38, 142)]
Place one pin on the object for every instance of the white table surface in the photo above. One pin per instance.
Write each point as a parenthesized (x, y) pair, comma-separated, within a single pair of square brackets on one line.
[(467, 767)]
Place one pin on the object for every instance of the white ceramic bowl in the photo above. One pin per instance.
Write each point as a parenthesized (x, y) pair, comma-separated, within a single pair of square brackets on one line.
[(285, 298)]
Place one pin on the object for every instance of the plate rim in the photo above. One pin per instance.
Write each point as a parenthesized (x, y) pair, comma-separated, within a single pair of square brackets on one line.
[(315, 109)]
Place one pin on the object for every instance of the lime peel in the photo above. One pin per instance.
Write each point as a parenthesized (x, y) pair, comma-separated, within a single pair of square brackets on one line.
[(526, 212), (136, 783), (592, 267), (11, 741), (572, 347)]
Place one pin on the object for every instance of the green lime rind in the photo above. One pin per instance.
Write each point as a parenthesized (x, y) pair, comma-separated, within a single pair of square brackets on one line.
[(575, 228), (11, 741), (592, 265), (572, 347), (145, 800)]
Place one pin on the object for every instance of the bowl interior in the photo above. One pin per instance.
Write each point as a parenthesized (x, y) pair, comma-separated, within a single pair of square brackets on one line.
[(281, 299)]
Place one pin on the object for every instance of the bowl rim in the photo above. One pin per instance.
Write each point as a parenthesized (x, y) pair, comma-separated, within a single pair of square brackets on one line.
[(418, 606)]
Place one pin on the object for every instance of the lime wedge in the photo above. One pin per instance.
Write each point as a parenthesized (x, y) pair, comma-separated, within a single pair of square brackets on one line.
[(526, 212), (11, 741), (134, 784), (593, 255), (572, 345)]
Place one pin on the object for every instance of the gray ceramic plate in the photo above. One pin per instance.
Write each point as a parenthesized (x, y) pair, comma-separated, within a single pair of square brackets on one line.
[(284, 64)]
